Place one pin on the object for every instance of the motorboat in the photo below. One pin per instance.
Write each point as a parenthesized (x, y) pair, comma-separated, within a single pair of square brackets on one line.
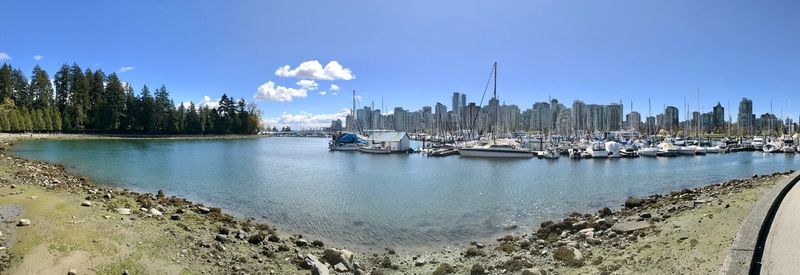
[(771, 147), (687, 150), (374, 149), (575, 153), (597, 150), (629, 152), (501, 148), (550, 154), (666, 149), (649, 152), (788, 145), (613, 148), (758, 143)]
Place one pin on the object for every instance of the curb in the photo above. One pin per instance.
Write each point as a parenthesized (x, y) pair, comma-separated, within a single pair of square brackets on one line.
[(745, 253)]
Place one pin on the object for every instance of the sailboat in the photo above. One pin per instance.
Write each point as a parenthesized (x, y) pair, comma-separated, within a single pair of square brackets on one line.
[(496, 148), (348, 141)]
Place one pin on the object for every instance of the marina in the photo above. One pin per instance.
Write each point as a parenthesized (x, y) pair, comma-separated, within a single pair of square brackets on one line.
[(387, 200)]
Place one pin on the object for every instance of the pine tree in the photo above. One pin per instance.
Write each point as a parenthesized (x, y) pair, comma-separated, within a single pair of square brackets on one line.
[(20, 93), (55, 116), (48, 121), (6, 82), (41, 89)]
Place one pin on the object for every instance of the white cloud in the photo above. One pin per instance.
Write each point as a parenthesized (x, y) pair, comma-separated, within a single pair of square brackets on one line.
[(334, 88), (307, 84), (38, 57), (314, 70), (323, 92), (334, 93), (268, 91), (304, 120), (125, 69), (4, 56), (208, 102)]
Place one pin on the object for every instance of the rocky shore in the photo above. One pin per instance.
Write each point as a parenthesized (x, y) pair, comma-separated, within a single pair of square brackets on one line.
[(70, 224)]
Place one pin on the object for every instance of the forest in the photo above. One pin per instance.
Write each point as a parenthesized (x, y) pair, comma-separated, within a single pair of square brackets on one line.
[(86, 101)]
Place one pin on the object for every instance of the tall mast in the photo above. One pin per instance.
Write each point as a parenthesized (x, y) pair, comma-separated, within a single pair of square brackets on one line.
[(699, 115), (353, 111), (497, 108)]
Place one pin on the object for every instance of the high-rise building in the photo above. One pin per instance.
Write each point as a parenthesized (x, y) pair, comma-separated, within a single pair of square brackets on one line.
[(614, 117), (457, 102), (650, 125), (541, 119), (470, 116), (440, 116), (671, 122), (633, 121), (463, 101), (718, 118), (579, 117), (745, 118)]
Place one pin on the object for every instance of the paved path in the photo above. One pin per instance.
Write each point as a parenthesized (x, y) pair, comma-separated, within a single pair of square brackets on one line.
[(782, 248)]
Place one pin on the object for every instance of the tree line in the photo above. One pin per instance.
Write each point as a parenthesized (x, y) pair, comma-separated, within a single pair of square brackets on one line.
[(86, 101)]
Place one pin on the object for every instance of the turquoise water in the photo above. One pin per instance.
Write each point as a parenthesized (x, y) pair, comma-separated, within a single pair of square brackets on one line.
[(376, 201)]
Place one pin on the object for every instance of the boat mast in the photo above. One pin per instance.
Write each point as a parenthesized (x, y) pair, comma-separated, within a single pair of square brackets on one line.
[(353, 113), (497, 108)]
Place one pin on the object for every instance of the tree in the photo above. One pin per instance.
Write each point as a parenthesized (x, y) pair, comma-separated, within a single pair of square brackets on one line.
[(193, 124), (41, 89), (20, 92), (145, 111), (6, 82)]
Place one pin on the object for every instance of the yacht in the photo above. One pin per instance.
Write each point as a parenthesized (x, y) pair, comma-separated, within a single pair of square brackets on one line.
[(497, 148), (771, 147), (346, 142), (501, 148), (788, 144), (597, 150), (758, 143), (687, 150), (613, 148)]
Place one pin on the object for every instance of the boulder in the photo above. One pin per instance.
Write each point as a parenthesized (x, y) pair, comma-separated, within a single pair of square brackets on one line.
[(588, 232), (568, 255), (605, 212), (175, 217), (632, 202), (24, 222), (155, 212), (221, 238), (204, 210), (317, 267), (333, 257), (340, 268), (72, 272), (301, 242)]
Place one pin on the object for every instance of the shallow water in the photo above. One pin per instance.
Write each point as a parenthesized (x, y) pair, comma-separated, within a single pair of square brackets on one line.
[(398, 200)]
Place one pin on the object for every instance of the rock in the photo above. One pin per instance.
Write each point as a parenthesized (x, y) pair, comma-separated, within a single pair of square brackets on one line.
[(72, 272), (579, 225), (340, 268), (24, 222), (13, 186), (419, 262), (124, 211), (645, 215), (632, 202), (256, 238), (605, 212), (533, 271), (274, 238), (175, 217), (588, 232), (343, 256), (155, 212), (317, 243), (625, 227), (317, 267), (568, 255), (301, 242), (510, 226), (221, 238), (593, 241), (125, 272), (204, 210), (86, 203)]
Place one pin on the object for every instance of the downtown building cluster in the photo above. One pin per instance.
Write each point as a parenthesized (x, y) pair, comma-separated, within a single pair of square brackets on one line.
[(555, 118)]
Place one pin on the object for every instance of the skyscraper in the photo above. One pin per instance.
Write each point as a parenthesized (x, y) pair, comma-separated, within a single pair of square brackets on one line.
[(671, 121), (457, 102), (614, 117), (634, 120), (745, 117), (718, 118)]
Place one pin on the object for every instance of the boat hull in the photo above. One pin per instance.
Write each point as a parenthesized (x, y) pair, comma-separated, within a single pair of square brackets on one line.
[(493, 153)]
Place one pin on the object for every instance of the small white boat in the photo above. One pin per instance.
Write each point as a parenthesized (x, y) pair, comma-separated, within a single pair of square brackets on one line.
[(597, 150), (687, 150), (550, 154), (714, 150), (771, 147), (666, 149), (613, 149), (788, 144), (648, 152), (374, 149), (758, 143)]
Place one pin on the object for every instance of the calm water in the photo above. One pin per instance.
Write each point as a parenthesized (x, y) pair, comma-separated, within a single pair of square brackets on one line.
[(401, 201)]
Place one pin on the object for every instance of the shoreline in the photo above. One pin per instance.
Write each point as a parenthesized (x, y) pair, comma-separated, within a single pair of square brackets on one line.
[(547, 249)]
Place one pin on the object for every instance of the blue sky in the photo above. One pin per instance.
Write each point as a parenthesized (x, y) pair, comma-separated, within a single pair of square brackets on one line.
[(415, 53)]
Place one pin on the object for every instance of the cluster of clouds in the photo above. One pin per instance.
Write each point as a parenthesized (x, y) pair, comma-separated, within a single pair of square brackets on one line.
[(4, 56), (309, 72), (304, 120)]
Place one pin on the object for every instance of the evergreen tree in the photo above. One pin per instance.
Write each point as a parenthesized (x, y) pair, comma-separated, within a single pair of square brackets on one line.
[(48, 121), (20, 93), (55, 116), (41, 89), (146, 109), (62, 84), (6, 82)]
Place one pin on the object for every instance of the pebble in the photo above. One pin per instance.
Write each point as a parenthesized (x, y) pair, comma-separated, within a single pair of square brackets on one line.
[(175, 217), (72, 272), (24, 222), (86, 203), (124, 211)]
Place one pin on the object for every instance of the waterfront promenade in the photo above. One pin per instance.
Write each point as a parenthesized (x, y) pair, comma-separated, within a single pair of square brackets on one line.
[(781, 247)]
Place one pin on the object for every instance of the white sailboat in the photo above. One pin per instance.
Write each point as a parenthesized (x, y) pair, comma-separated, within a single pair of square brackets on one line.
[(496, 148), (597, 150)]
